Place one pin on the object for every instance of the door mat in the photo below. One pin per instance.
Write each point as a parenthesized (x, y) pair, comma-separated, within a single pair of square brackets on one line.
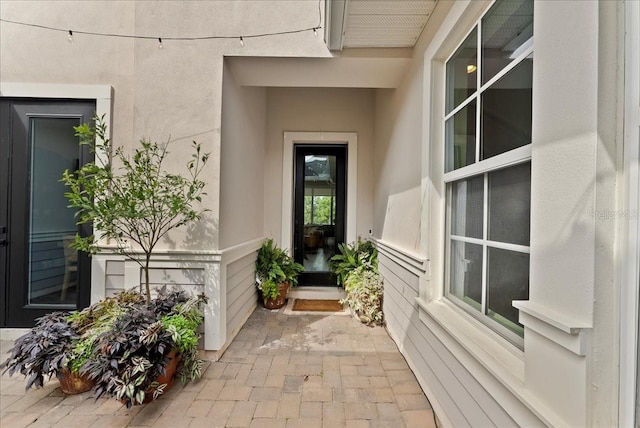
[(317, 305)]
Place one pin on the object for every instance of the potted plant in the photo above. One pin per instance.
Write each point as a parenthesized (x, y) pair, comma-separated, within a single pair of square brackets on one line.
[(136, 203), (276, 271), (135, 359), (122, 346), (356, 268)]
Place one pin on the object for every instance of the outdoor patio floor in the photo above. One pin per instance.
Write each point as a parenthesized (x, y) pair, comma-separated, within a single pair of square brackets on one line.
[(280, 371)]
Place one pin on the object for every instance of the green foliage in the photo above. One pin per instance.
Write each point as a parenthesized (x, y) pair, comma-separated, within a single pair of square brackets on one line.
[(122, 342), (137, 203), (322, 209), (273, 267), (352, 256), (364, 293)]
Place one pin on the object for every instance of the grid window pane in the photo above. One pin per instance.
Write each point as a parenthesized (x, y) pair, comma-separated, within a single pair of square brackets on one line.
[(510, 204), (467, 207), (507, 31), (508, 280), (462, 75), (461, 138), (466, 272), (506, 111)]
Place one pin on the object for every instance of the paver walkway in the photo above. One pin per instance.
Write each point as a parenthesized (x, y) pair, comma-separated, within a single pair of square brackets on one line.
[(280, 371)]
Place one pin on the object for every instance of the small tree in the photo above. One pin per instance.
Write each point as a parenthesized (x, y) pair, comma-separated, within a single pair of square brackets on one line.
[(138, 202)]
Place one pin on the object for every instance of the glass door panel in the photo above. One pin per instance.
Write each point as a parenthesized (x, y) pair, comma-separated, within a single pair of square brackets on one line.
[(319, 212), (53, 266)]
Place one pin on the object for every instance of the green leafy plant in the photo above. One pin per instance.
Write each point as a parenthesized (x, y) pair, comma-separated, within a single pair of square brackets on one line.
[(122, 343), (364, 289), (127, 359), (273, 267), (352, 256), (136, 203)]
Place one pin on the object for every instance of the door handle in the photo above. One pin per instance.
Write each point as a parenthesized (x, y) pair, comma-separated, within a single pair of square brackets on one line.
[(3, 242)]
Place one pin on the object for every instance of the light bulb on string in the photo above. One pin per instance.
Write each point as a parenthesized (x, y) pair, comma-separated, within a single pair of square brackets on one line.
[(315, 32), (241, 41), (160, 43), (70, 37)]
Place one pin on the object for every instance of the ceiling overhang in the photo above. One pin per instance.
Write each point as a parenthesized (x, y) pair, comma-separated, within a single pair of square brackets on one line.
[(346, 71), (375, 23)]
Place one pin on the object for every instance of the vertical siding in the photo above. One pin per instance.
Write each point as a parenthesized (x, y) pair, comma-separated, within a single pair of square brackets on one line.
[(241, 291), (464, 401)]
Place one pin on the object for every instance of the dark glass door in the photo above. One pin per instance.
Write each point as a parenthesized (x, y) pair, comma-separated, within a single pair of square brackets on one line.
[(39, 273), (319, 217)]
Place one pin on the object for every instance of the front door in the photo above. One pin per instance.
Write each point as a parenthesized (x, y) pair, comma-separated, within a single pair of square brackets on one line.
[(319, 204), (39, 274)]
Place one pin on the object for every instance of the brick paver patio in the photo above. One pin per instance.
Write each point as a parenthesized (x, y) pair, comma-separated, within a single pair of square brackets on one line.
[(280, 371)]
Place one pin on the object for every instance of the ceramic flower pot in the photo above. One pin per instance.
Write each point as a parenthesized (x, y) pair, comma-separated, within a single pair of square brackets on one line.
[(279, 301), (74, 383)]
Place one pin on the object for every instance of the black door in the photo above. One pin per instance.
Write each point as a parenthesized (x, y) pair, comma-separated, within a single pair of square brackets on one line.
[(319, 217), (38, 272)]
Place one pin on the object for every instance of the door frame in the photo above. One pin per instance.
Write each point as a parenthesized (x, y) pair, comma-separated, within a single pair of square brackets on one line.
[(288, 178), (102, 95)]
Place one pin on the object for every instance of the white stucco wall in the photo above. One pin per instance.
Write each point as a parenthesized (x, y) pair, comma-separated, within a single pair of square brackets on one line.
[(242, 152), (315, 110), (158, 93), (567, 373)]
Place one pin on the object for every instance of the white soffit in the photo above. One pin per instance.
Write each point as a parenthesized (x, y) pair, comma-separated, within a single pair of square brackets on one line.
[(340, 72), (385, 23)]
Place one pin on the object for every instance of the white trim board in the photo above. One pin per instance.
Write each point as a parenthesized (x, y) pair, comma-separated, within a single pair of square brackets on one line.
[(292, 138), (630, 242)]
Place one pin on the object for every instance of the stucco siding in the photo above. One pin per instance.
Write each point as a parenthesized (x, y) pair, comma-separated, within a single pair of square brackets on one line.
[(242, 153), (318, 110)]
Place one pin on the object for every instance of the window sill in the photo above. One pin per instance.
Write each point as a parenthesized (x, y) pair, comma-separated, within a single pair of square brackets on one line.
[(494, 353), (488, 357)]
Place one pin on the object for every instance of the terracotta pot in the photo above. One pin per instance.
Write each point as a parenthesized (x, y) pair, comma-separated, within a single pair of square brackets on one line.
[(168, 378), (74, 383), (279, 301)]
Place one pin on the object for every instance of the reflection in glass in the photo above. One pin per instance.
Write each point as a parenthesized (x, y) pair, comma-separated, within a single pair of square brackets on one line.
[(507, 32), (506, 111), (462, 76), (510, 204), (319, 212), (460, 138), (465, 276), (508, 280), (52, 266), (467, 207)]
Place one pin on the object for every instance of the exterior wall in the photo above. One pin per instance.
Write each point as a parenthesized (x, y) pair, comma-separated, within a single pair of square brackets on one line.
[(175, 92), (242, 154), (241, 292), (472, 376), (316, 110)]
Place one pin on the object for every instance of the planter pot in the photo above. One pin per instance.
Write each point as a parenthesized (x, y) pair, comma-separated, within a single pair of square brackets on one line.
[(279, 301), (167, 377), (74, 383)]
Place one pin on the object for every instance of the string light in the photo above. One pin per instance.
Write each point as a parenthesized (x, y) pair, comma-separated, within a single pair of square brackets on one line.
[(70, 33)]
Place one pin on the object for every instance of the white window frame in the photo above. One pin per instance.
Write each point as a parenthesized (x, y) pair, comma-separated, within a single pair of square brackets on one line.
[(480, 167)]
